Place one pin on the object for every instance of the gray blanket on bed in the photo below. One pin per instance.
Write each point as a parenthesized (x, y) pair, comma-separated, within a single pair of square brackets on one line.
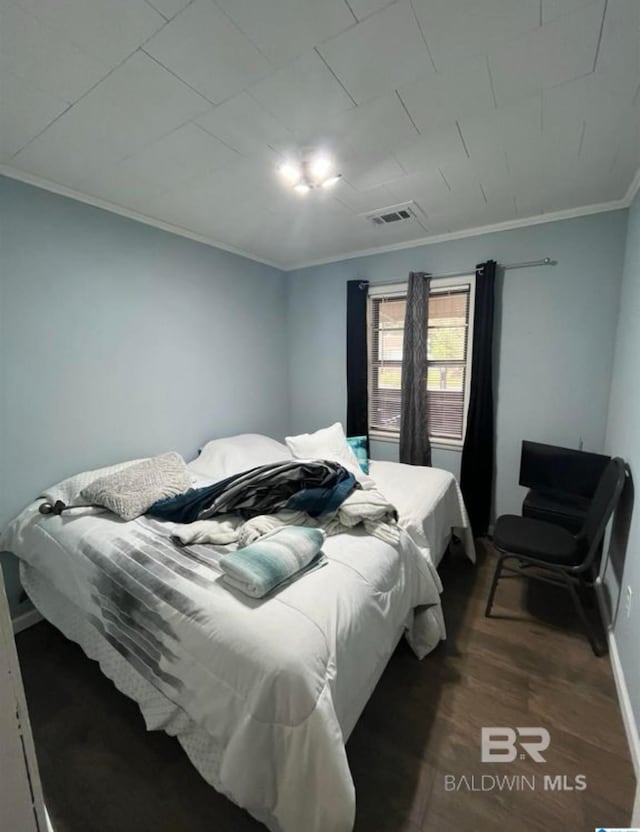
[(316, 488)]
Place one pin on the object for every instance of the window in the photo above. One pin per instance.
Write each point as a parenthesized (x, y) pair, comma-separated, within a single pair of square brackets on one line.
[(448, 352)]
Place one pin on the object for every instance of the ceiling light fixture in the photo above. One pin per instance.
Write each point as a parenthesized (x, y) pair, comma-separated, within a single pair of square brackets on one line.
[(291, 172), (315, 171), (320, 166)]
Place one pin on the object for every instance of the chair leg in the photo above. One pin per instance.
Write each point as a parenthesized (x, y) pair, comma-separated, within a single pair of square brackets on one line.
[(596, 646), (496, 577)]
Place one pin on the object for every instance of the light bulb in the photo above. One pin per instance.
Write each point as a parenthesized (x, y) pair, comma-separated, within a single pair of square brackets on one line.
[(331, 181), (320, 167), (301, 188), (291, 172)]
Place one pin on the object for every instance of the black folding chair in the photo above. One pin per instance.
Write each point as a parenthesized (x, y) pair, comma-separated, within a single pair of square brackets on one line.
[(545, 552)]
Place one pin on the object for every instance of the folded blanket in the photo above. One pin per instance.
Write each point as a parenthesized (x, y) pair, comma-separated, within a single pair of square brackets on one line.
[(281, 554)]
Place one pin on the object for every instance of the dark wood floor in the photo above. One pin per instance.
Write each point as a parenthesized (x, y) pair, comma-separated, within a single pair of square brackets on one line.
[(103, 772)]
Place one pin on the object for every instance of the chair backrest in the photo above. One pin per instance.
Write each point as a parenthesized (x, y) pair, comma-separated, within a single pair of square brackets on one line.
[(602, 506)]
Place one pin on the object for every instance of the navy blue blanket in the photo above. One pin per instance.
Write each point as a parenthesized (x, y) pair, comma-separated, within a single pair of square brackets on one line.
[(315, 487)]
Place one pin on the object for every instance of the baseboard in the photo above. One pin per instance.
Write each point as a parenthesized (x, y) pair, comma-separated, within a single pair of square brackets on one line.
[(624, 700), (27, 619), (628, 718)]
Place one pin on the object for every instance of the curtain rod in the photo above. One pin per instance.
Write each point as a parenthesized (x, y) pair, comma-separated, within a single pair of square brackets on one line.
[(544, 261)]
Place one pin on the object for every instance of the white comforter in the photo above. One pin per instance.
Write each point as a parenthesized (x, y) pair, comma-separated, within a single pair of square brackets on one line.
[(429, 504), (278, 684)]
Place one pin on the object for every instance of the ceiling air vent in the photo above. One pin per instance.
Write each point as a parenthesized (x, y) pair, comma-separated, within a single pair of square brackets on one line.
[(393, 214)]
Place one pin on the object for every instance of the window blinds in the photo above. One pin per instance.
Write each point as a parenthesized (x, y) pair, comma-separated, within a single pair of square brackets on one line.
[(447, 340)]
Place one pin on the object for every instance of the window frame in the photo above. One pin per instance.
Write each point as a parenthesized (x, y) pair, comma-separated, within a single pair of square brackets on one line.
[(399, 290)]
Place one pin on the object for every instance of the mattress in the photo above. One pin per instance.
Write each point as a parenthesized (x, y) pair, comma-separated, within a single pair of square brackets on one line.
[(262, 695)]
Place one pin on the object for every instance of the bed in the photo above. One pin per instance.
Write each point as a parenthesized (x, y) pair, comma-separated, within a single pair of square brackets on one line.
[(262, 695)]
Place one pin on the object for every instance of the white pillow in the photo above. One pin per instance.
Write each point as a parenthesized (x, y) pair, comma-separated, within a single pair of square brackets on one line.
[(329, 443), (222, 458)]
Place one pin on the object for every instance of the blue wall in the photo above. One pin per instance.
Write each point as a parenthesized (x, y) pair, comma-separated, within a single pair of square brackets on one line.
[(623, 439), (118, 340), (556, 334)]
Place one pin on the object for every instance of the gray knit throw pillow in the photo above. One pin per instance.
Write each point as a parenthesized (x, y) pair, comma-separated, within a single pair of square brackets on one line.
[(132, 490)]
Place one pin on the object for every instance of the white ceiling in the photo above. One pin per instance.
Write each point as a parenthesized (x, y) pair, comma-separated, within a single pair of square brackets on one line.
[(481, 111)]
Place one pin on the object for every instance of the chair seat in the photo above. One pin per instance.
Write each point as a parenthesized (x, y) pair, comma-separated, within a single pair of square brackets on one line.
[(536, 539)]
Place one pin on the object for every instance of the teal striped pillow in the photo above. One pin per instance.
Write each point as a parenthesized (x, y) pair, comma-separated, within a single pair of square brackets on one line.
[(358, 445)]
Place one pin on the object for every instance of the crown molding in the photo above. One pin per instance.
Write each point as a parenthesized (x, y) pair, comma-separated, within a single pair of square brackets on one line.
[(508, 225), (114, 208)]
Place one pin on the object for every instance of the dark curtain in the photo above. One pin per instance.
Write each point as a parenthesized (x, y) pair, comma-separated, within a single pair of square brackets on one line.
[(415, 448), (357, 396), (476, 473)]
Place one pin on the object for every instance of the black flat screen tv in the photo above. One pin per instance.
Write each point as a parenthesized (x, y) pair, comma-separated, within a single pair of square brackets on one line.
[(555, 470)]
